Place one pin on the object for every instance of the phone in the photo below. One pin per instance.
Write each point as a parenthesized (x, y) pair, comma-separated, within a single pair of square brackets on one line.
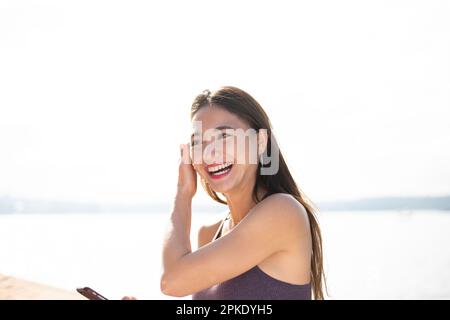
[(91, 294)]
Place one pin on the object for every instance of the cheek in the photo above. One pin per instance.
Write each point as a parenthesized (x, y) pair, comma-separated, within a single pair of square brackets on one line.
[(230, 149), (202, 172), (199, 169), (243, 171), (242, 152), (235, 151)]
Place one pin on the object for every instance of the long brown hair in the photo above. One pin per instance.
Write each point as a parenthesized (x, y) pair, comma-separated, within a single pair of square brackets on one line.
[(247, 108)]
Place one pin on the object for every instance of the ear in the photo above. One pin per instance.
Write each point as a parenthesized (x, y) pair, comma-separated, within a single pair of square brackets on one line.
[(262, 141)]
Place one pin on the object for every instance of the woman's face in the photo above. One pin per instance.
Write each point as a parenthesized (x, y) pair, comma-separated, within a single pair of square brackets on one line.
[(223, 149)]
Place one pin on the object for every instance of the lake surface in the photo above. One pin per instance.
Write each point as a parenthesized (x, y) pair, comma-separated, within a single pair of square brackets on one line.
[(369, 255)]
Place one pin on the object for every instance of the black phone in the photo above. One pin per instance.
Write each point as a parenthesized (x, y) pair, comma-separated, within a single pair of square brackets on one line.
[(91, 294)]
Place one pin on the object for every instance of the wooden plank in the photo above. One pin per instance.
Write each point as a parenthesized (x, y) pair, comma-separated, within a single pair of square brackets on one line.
[(17, 289)]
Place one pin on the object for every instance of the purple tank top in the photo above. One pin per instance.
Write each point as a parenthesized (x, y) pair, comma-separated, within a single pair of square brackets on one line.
[(254, 284)]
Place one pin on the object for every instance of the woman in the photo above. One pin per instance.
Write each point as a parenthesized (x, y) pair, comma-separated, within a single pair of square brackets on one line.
[(269, 245)]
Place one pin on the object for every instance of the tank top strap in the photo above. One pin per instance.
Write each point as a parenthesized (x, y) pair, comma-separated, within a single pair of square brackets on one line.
[(219, 231)]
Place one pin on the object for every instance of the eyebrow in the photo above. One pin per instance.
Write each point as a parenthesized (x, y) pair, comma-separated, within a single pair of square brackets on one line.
[(217, 128)]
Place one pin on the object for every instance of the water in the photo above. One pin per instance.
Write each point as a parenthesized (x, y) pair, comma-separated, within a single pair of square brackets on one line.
[(369, 255)]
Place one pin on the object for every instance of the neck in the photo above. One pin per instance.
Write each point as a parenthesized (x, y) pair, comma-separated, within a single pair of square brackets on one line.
[(240, 201)]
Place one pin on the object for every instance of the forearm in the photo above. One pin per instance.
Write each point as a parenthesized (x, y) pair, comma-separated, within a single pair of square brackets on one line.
[(177, 242)]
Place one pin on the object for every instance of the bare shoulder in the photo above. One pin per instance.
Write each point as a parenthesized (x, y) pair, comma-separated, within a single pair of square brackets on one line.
[(206, 233), (285, 203), (284, 211), (286, 217)]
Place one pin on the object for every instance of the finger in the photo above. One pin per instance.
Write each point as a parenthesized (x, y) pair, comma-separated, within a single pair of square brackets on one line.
[(184, 153)]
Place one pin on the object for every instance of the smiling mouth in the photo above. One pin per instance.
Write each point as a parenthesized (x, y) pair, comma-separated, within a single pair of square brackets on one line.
[(220, 171)]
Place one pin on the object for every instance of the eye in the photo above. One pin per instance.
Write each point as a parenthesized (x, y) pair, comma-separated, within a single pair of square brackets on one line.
[(194, 143), (224, 135)]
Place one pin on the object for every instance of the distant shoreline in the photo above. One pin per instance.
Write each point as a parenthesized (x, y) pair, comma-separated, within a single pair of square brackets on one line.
[(389, 203), (22, 205)]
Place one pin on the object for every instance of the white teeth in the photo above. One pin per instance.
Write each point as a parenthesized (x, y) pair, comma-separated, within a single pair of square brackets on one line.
[(221, 172), (219, 167)]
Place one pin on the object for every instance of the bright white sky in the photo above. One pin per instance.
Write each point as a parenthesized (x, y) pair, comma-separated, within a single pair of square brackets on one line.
[(95, 95)]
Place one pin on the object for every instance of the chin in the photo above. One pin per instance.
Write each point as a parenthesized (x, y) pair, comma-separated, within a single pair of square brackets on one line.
[(220, 188)]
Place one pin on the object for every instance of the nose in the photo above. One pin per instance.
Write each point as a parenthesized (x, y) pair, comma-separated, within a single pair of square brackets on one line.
[(209, 154)]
